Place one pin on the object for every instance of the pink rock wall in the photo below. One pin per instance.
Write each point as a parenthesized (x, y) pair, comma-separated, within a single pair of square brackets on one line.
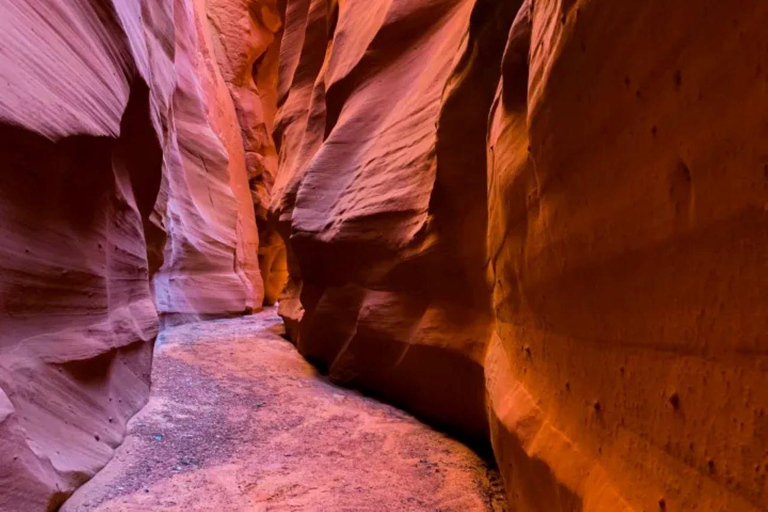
[(211, 265), (245, 41), (124, 198), (539, 224)]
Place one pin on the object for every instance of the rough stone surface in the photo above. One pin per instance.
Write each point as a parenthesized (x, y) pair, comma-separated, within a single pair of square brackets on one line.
[(123, 197), (238, 421), (600, 288)]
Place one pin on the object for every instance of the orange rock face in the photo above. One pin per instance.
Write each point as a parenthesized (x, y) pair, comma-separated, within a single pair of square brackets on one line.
[(125, 198), (581, 254), (211, 267), (538, 224), (628, 162), (387, 228)]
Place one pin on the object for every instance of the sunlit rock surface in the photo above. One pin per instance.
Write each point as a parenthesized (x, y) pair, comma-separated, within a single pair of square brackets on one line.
[(628, 191), (540, 225), (245, 40), (124, 197), (600, 288), (211, 265)]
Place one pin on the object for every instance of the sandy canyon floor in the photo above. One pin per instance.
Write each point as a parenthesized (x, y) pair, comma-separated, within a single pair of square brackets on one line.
[(238, 421)]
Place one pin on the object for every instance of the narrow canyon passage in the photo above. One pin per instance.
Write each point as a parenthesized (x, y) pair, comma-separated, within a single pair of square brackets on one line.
[(538, 226), (238, 421)]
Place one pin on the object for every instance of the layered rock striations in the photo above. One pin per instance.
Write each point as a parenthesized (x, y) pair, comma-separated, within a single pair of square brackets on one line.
[(547, 214), (382, 192), (211, 258), (125, 199), (244, 45), (539, 224)]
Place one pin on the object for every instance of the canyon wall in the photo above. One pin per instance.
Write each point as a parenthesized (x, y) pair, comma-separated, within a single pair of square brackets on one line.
[(125, 200), (386, 228), (245, 45), (541, 223)]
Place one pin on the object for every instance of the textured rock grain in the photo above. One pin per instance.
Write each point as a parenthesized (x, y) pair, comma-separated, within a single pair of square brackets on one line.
[(539, 224), (391, 279), (628, 172), (123, 197), (245, 41), (604, 275)]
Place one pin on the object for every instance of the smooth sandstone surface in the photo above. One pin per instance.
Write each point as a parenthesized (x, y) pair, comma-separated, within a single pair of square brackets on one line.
[(630, 364), (391, 278), (582, 254), (211, 264), (540, 225), (124, 200), (244, 42)]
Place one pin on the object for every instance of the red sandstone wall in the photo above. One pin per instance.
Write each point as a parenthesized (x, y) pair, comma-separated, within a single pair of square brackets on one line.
[(211, 264), (123, 195), (548, 233), (586, 248), (628, 162), (244, 44), (370, 188)]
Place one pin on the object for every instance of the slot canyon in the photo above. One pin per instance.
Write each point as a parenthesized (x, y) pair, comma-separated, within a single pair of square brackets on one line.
[(383, 255)]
